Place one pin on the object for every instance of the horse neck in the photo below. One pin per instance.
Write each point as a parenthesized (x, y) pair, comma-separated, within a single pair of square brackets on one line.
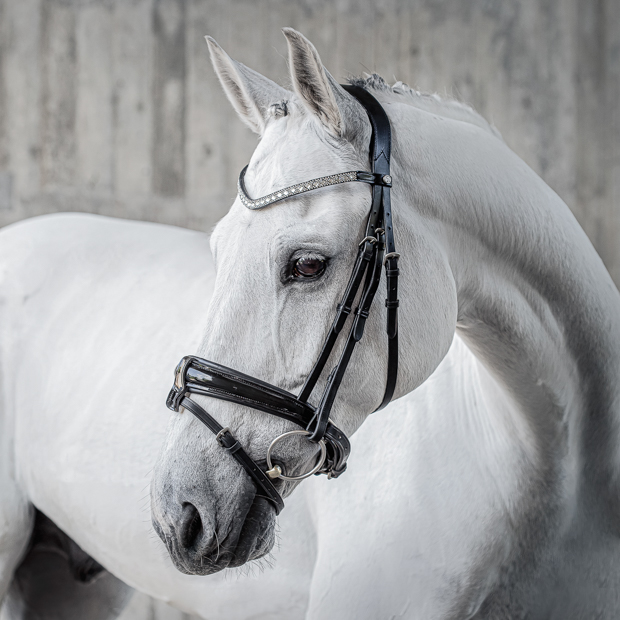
[(535, 303)]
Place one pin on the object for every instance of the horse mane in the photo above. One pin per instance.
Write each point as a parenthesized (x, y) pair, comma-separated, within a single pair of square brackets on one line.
[(401, 92)]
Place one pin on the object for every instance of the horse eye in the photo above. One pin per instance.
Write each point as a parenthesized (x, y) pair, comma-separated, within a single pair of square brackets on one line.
[(308, 267)]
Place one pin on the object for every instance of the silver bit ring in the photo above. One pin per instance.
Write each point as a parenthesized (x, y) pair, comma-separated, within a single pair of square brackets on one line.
[(313, 471)]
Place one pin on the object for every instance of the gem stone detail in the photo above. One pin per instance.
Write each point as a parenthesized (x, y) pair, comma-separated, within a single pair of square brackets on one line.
[(299, 188)]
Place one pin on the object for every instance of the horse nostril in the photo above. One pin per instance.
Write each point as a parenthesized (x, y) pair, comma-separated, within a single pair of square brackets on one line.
[(191, 526)]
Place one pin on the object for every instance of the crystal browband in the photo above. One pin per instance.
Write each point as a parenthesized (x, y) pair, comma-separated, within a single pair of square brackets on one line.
[(300, 188)]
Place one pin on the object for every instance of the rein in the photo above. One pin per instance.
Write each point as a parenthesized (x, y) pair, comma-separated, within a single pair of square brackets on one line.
[(194, 375)]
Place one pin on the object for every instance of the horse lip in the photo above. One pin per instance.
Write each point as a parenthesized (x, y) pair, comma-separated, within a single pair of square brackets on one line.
[(242, 555), (236, 552)]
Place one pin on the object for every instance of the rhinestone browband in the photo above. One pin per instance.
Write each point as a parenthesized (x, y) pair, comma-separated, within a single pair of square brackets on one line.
[(300, 188)]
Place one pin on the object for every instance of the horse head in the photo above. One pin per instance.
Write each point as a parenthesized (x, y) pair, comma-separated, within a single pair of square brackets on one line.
[(281, 273)]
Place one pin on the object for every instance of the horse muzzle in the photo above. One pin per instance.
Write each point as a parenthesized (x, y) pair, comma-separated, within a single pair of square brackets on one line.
[(201, 542)]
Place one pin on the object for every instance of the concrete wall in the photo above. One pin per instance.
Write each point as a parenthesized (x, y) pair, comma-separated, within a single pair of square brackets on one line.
[(111, 106)]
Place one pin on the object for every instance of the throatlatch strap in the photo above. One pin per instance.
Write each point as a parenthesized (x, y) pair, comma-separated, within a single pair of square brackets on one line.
[(392, 303)]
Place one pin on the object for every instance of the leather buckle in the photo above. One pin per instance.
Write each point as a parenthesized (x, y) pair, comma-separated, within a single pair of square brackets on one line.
[(391, 256), (371, 240), (227, 440), (220, 436)]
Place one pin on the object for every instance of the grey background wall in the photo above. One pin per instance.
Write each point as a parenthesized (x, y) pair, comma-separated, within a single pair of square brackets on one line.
[(111, 106)]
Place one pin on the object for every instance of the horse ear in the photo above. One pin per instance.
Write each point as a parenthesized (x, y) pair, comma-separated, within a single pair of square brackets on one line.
[(320, 92), (250, 93)]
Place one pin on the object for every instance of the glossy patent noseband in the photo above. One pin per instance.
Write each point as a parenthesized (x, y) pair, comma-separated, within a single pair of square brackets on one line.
[(194, 375)]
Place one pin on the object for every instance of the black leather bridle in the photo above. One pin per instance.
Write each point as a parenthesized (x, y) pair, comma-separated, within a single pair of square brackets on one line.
[(194, 375)]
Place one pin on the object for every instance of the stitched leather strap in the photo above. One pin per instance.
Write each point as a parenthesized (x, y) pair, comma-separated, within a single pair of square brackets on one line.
[(373, 277), (381, 145), (364, 256), (233, 447), (392, 303), (194, 375)]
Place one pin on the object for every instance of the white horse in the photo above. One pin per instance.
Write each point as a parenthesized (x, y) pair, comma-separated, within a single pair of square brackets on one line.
[(494, 498), (96, 489)]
